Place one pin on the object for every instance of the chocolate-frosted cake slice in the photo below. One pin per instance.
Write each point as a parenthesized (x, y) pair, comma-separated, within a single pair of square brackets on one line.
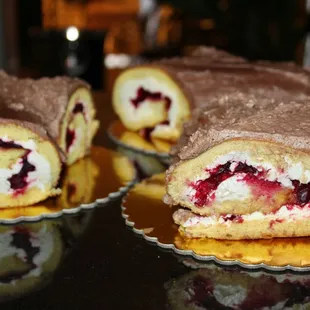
[(30, 161), (64, 106), (246, 180), (161, 96)]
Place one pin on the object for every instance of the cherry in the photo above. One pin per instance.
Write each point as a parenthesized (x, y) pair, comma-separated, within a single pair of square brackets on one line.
[(302, 192), (70, 136), (78, 108), (242, 167), (9, 145), (234, 218), (18, 181), (143, 94)]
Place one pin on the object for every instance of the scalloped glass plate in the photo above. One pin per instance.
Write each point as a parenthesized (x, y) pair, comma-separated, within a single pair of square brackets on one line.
[(91, 181), (146, 213), (132, 140)]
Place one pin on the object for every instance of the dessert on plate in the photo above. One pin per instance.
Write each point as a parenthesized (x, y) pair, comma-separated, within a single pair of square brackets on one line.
[(247, 179), (156, 99), (44, 124), (63, 105), (30, 161)]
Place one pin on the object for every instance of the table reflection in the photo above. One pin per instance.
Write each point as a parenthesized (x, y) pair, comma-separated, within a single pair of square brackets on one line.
[(31, 253), (208, 286)]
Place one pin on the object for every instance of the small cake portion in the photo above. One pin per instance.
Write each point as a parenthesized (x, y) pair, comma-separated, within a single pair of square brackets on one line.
[(149, 99), (248, 180), (30, 162), (157, 99), (64, 106)]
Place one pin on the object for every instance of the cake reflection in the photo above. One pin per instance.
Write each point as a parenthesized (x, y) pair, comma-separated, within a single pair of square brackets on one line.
[(211, 287), (144, 165), (30, 254)]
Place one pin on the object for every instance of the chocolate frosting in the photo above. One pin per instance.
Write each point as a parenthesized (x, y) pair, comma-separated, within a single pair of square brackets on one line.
[(16, 114), (216, 55), (287, 124), (228, 95), (45, 100), (216, 81)]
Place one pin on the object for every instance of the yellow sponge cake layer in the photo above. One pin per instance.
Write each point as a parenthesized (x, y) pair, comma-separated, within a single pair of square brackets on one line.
[(30, 165), (78, 126), (149, 97)]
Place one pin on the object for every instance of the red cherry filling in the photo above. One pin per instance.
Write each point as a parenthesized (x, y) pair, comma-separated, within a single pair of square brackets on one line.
[(9, 145), (78, 108), (147, 132), (273, 222), (143, 94), (70, 137), (18, 181), (302, 192), (205, 188), (233, 218)]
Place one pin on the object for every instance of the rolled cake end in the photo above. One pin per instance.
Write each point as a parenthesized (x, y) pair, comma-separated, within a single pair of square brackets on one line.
[(147, 98), (30, 165), (79, 125), (253, 183)]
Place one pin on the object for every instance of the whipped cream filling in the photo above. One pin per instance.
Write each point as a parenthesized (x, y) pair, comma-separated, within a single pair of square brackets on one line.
[(42, 239), (232, 189), (40, 178), (296, 171), (129, 91), (288, 213)]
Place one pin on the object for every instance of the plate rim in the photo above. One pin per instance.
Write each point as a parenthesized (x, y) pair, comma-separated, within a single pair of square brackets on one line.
[(85, 206), (206, 258)]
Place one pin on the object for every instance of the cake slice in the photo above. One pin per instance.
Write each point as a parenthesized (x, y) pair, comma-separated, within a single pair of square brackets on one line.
[(30, 161), (64, 106), (246, 180), (158, 98)]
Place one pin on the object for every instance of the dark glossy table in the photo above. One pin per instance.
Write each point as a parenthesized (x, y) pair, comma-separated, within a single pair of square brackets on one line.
[(108, 266)]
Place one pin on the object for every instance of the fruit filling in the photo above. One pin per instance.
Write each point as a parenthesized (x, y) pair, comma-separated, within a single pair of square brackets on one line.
[(70, 137), (146, 133), (19, 181), (143, 94), (78, 108), (206, 191), (71, 134)]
